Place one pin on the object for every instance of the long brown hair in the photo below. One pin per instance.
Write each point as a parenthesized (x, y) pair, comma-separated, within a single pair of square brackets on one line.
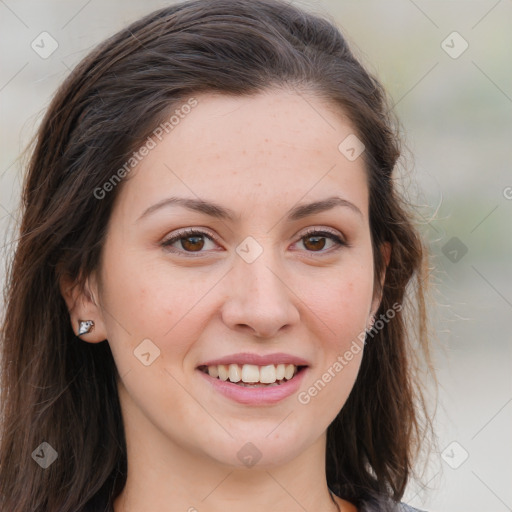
[(62, 391)]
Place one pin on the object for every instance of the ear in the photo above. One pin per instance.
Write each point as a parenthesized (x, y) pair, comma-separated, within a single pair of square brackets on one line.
[(84, 305), (385, 249)]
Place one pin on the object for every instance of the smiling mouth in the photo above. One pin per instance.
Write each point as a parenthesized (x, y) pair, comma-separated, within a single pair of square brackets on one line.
[(253, 376)]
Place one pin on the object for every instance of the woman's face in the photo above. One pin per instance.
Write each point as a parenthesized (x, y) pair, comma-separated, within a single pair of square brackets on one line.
[(253, 288)]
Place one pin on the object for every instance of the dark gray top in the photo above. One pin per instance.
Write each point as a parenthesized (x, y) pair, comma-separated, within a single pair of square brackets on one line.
[(407, 508)]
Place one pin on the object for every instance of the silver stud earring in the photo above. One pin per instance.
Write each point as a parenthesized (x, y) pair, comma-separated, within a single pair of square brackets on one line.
[(85, 326)]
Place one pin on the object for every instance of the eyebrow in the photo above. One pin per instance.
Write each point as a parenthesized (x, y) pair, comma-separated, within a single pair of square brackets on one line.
[(220, 212)]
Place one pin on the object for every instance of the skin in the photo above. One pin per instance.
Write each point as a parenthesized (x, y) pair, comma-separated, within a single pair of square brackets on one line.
[(259, 156)]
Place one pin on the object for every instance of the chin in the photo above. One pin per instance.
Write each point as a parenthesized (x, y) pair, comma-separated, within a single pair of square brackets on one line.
[(257, 450)]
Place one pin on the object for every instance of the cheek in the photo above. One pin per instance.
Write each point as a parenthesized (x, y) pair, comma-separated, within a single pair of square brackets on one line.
[(152, 301), (329, 390), (346, 306), (341, 313), (341, 302)]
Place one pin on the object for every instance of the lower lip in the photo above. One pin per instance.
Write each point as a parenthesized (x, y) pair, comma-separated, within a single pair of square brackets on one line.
[(256, 396)]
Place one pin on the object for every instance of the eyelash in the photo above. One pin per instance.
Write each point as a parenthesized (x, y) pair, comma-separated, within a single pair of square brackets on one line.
[(194, 232)]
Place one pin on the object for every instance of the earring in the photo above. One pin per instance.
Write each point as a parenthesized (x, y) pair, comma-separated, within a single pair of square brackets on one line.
[(85, 326)]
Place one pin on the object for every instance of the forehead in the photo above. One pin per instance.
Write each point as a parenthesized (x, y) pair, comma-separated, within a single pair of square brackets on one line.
[(273, 147)]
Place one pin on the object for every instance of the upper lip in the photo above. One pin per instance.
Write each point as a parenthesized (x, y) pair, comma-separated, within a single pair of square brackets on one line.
[(257, 359)]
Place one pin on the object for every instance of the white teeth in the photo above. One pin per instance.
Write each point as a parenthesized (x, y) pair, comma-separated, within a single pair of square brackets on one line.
[(234, 373), (252, 374), (289, 371), (223, 371), (213, 371), (267, 374), (280, 368)]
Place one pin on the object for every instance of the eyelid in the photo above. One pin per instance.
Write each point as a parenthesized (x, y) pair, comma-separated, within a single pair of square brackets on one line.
[(183, 233), (322, 230)]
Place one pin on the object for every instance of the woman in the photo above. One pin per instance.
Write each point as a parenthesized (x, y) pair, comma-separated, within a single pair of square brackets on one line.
[(206, 308)]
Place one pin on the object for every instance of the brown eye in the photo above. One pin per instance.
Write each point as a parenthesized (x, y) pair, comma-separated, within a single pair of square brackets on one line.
[(192, 243), (314, 243)]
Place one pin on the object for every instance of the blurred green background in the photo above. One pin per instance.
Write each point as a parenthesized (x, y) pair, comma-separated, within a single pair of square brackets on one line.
[(455, 107)]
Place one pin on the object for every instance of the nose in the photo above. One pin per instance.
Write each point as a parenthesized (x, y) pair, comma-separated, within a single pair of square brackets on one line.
[(260, 298)]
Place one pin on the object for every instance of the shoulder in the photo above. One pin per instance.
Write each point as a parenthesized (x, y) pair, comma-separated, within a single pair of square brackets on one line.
[(402, 507), (374, 505)]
